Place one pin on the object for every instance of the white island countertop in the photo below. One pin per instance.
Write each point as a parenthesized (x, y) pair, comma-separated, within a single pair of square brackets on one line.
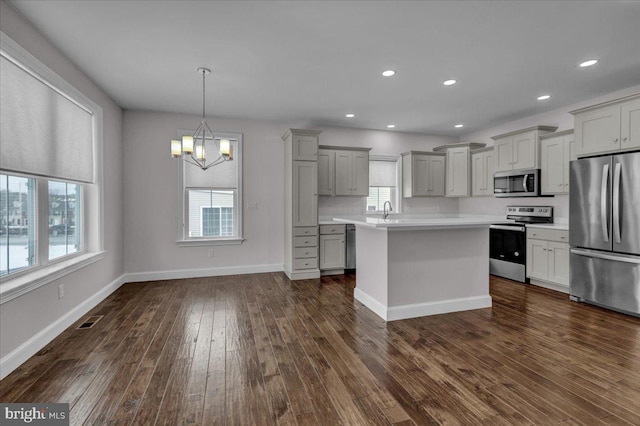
[(413, 222)]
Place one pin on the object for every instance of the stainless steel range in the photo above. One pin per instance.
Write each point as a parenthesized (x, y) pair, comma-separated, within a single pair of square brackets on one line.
[(508, 241)]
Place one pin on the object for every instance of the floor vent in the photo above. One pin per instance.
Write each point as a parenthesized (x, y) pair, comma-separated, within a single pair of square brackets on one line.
[(90, 322)]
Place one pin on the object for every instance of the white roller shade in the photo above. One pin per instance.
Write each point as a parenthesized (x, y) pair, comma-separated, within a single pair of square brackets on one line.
[(222, 176), (42, 132), (382, 173)]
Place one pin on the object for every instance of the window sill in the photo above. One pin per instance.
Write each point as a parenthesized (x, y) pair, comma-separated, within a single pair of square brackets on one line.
[(205, 242), (23, 284)]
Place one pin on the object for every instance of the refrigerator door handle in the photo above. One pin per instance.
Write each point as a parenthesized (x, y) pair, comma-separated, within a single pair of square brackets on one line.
[(603, 203), (599, 255), (616, 202)]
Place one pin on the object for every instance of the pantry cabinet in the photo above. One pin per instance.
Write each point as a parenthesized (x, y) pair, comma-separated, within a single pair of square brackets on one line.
[(557, 150), (608, 127), (423, 174), (301, 204), (519, 150)]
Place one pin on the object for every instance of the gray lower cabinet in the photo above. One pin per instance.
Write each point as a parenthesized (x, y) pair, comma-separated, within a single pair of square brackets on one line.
[(548, 257), (332, 247)]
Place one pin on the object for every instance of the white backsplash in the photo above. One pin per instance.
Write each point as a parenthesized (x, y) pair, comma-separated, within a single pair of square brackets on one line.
[(334, 206), (497, 206)]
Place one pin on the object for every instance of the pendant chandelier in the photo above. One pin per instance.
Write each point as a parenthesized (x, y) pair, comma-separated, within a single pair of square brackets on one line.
[(195, 149)]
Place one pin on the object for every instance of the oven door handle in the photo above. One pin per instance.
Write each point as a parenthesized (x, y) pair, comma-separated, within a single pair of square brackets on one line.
[(508, 228)]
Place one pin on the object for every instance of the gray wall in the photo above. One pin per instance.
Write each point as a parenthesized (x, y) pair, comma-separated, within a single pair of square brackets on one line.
[(21, 319)]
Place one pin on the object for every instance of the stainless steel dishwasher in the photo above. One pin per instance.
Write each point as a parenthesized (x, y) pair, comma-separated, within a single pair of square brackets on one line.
[(350, 261)]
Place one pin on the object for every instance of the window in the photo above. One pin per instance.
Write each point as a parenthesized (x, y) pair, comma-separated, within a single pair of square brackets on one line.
[(17, 223), (213, 199), (49, 176), (378, 196), (382, 184), (65, 236)]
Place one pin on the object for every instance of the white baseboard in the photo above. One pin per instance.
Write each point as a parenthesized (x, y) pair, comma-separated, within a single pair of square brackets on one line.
[(551, 286), (439, 307), (371, 303), (15, 358), (421, 309), (199, 273), (311, 274)]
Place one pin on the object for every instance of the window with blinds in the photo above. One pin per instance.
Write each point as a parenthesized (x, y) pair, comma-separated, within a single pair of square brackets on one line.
[(213, 197), (382, 184), (49, 139)]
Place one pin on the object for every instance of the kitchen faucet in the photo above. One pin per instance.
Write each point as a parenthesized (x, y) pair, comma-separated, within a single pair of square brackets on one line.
[(385, 210)]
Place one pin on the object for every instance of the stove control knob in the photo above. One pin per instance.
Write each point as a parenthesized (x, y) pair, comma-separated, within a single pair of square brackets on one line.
[(516, 254)]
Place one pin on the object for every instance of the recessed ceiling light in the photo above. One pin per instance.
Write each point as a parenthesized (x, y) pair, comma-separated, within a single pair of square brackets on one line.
[(391, 126), (388, 73), (543, 97), (589, 63), (449, 82), (350, 115), (459, 125)]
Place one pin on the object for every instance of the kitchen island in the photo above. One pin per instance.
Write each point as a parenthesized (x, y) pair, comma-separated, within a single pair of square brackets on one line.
[(412, 266)]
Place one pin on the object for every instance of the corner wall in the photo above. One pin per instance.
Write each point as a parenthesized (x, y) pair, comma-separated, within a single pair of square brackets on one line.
[(30, 321)]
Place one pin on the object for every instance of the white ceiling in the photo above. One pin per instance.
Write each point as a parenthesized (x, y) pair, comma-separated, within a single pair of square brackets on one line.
[(313, 62)]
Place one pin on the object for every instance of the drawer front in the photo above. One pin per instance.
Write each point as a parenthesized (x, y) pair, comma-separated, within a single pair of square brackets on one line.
[(332, 229), (300, 231), (305, 241), (304, 252), (560, 236), (305, 263)]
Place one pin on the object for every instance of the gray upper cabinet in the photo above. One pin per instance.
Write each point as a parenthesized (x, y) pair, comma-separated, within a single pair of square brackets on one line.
[(458, 167), (305, 147), (326, 173), (423, 174), (518, 150), (343, 171), (609, 127), (482, 172), (556, 151)]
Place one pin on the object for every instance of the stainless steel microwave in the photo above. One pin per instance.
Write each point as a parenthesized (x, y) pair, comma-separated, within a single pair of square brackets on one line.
[(517, 183)]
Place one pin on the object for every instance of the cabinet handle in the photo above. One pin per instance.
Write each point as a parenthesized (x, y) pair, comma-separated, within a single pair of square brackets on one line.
[(624, 139), (559, 184), (306, 242), (562, 237), (533, 234), (544, 249), (615, 140)]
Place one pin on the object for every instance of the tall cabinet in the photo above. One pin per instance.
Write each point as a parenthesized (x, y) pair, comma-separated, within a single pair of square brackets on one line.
[(301, 204)]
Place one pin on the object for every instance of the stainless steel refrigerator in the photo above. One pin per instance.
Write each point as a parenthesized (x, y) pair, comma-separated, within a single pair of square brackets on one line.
[(604, 231)]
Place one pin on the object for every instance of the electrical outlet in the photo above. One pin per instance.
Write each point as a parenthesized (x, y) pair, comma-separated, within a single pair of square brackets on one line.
[(210, 253), (60, 291)]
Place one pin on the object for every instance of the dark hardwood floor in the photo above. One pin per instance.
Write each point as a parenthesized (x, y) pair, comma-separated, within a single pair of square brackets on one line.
[(260, 349)]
